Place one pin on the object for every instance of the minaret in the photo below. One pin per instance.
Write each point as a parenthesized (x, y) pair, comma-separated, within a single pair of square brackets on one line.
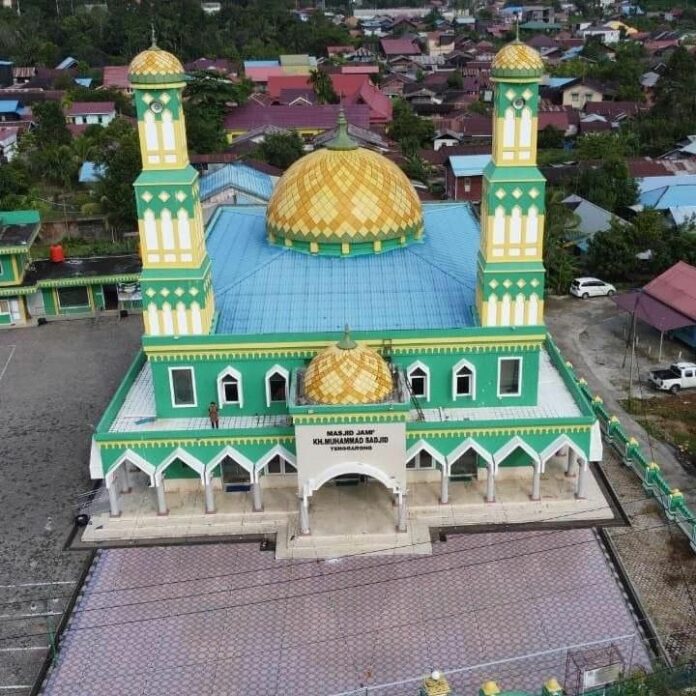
[(176, 280), (510, 288)]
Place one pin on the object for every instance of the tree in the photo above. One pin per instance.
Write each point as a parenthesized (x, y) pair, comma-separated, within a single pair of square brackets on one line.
[(455, 80), (281, 149), (323, 87), (560, 226), (408, 129), (550, 138), (120, 158), (609, 185), (50, 130)]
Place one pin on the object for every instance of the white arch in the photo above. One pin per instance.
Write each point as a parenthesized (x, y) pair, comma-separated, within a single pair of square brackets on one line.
[(518, 315), (463, 363), (509, 128), (510, 446), (499, 226), (533, 309), (468, 444), (150, 225), (532, 232), (422, 366), (515, 236), (560, 441), (526, 127), (229, 371), (233, 453), (168, 137), (135, 460), (281, 371), (332, 472), (196, 464), (184, 229), (505, 310), (167, 227), (423, 446), (278, 450), (151, 138)]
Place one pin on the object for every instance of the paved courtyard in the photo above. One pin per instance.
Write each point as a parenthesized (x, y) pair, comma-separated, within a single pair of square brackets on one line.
[(55, 381), (231, 620)]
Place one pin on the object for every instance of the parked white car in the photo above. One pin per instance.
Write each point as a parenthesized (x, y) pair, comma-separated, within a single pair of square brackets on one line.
[(591, 287)]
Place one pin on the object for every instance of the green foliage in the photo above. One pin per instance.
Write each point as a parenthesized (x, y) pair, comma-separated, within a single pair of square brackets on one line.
[(597, 146), (408, 129), (205, 102), (550, 137), (455, 80), (15, 186), (281, 149), (120, 156), (124, 103), (560, 226), (613, 253), (609, 185), (417, 168), (50, 130), (323, 87)]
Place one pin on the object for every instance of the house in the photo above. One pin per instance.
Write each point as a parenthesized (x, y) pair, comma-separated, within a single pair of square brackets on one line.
[(579, 93), (606, 35), (393, 84), (235, 183), (445, 138), (68, 63), (464, 177), (394, 48), (685, 149), (8, 142), (12, 110), (667, 303), (674, 195), (538, 13), (591, 219), (79, 115), (615, 111), (218, 66), (439, 43), (308, 121)]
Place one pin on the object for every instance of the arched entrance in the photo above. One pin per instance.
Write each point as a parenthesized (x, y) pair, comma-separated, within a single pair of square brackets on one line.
[(352, 499)]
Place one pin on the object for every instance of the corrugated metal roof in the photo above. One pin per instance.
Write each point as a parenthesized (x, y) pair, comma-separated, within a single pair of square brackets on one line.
[(261, 288), (240, 177), (8, 106), (90, 172), (677, 196), (649, 183), (469, 165), (676, 287)]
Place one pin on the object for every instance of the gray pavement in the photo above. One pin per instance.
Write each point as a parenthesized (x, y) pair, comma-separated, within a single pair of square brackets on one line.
[(55, 381), (591, 334)]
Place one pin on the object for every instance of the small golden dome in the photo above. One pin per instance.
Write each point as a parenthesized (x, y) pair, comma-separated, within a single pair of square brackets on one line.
[(155, 66), (342, 196), (490, 688), (516, 59), (348, 373)]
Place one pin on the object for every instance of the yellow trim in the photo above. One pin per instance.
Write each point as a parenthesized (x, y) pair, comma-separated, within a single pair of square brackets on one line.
[(391, 416), (202, 441), (505, 431)]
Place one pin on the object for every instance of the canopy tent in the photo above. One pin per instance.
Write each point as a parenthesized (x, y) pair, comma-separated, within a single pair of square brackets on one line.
[(652, 311)]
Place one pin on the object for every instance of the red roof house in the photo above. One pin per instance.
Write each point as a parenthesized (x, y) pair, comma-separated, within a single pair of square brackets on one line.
[(399, 47)]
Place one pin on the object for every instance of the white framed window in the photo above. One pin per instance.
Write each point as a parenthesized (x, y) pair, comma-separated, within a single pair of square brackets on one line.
[(509, 376), (418, 375), (230, 391), (463, 380), (278, 466), (422, 460), (182, 386), (277, 381), (4, 307)]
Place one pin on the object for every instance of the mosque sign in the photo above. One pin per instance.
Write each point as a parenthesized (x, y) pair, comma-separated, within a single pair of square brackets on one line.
[(379, 444)]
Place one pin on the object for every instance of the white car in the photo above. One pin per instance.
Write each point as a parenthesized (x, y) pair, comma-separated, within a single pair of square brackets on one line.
[(591, 287)]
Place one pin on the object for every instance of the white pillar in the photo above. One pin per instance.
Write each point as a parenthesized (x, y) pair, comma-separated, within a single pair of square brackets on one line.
[(581, 490), (209, 496), (124, 476), (571, 462), (161, 497), (304, 516), (490, 485), (258, 500), (444, 486), (401, 519), (114, 508), (536, 482)]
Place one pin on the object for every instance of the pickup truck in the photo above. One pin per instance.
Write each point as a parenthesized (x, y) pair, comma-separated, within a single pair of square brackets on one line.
[(680, 375)]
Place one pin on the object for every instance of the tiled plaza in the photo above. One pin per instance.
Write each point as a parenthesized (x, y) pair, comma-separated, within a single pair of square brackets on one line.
[(228, 619)]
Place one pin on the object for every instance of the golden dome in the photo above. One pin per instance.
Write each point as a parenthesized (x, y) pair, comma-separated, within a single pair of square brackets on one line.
[(348, 373), (343, 200), (517, 60), (155, 66)]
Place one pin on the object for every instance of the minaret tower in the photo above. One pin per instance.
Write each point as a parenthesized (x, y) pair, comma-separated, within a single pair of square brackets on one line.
[(176, 280), (510, 289)]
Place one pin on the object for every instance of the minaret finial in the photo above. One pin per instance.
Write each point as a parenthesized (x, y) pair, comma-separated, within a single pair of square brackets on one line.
[(342, 139), (346, 343), (517, 27), (153, 35)]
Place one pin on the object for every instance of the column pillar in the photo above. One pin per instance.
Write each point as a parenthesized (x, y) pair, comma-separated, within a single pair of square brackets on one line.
[(536, 482), (444, 486), (258, 498), (571, 462), (401, 512), (581, 490), (161, 497), (490, 485), (114, 508), (209, 495), (304, 516), (124, 476)]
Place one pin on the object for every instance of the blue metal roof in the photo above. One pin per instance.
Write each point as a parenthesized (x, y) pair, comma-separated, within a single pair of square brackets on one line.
[(468, 165), (240, 177), (557, 82), (680, 195), (9, 106), (66, 63), (261, 63), (84, 81), (261, 288), (650, 183)]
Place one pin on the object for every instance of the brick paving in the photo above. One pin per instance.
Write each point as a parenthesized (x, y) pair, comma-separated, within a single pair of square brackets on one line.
[(230, 619)]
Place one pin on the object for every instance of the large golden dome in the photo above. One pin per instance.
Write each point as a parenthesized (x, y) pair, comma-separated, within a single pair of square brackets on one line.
[(344, 199), (155, 66), (516, 59), (348, 373)]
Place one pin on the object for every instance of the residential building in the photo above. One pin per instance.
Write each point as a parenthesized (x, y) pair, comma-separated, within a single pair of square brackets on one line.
[(90, 113), (8, 142), (577, 94), (464, 177)]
